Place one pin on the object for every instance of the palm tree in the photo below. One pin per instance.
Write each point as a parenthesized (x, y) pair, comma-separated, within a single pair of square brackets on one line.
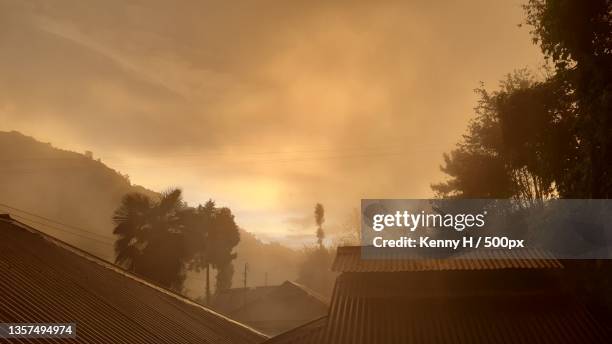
[(152, 237)]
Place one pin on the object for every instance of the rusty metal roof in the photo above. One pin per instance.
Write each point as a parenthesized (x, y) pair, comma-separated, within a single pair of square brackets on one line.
[(273, 309), (442, 304), (350, 259), (234, 299), (386, 308), (46, 280), (361, 316), (309, 333)]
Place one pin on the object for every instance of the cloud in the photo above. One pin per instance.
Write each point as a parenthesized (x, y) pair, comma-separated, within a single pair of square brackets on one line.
[(268, 106)]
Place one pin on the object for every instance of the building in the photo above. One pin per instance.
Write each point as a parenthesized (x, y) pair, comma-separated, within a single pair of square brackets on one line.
[(450, 301), (272, 309), (45, 280)]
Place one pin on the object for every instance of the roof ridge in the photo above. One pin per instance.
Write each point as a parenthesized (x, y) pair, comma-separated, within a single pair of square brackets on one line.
[(317, 323), (310, 292)]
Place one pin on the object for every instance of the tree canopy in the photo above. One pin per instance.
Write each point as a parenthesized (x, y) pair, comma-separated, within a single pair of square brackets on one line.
[(535, 139), (161, 240)]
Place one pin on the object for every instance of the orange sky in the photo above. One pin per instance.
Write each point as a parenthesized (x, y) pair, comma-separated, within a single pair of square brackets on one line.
[(265, 106)]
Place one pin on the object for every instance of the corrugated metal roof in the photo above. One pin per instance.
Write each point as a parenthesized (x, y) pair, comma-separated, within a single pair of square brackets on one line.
[(382, 308), (46, 280), (272, 309), (232, 300), (310, 333), (359, 318), (439, 305), (287, 306), (350, 259)]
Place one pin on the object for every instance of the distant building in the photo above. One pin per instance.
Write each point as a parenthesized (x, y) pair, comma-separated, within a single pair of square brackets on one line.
[(48, 281), (272, 309), (384, 301)]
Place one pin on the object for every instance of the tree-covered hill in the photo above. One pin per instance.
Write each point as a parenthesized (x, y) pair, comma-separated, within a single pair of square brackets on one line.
[(80, 193)]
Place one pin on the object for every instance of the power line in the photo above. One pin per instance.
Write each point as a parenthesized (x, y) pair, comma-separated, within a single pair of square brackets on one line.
[(107, 241), (56, 222), (308, 151), (280, 159), (175, 164), (102, 242), (358, 149), (62, 230), (276, 161)]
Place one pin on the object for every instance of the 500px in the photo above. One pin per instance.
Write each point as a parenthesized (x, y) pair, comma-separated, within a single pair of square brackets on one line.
[(503, 242)]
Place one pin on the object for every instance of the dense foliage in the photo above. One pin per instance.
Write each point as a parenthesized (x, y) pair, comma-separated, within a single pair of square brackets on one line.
[(532, 140), (552, 138), (161, 239)]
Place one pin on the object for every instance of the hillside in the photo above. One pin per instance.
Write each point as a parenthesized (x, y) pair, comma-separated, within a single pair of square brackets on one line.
[(82, 193)]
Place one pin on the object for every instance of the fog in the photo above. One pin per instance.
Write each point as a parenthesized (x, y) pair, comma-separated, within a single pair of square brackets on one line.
[(264, 106)]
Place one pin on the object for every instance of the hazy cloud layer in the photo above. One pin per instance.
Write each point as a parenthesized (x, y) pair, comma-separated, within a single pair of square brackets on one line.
[(267, 106)]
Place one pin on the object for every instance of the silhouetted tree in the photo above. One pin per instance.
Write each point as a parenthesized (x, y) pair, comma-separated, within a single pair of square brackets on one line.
[(501, 155), (552, 137), (152, 237), (315, 269), (212, 239), (224, 236), (224, 276), (577, 37), (319, 213), (161, 240)]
